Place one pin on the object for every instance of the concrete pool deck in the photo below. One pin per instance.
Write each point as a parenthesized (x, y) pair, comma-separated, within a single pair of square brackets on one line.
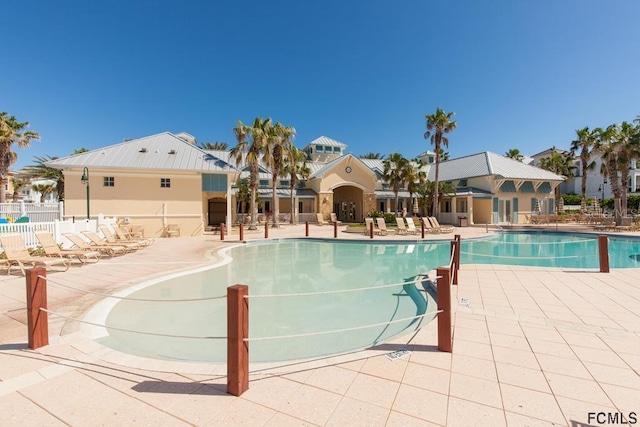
[(534, 346)]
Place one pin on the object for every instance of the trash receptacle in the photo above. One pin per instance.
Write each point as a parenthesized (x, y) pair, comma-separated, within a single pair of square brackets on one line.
[(463, 221)]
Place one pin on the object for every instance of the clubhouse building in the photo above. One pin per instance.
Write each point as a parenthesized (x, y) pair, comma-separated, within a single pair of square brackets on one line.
[(167, 179)]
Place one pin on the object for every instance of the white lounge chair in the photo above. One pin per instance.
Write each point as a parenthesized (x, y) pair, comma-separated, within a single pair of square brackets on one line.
[(320, 219), (382, 227), (411, 226), (441, 228), (17, 253), (402, 228)]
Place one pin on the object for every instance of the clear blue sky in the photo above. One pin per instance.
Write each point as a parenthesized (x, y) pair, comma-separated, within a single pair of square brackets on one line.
[(518, 74)]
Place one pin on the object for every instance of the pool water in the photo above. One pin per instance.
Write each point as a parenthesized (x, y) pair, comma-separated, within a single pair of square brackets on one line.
[(304, 266)]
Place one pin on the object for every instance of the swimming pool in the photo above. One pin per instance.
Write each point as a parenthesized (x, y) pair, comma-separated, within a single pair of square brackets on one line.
[(306, 266)]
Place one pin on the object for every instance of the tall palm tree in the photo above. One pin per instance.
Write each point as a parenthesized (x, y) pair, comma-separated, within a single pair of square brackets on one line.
[(279, 142), (251, 140), (243, 195), (628, 149), (416, 177), (560, 164), (371, 155), (438, 125), (586, 140), (295, 165), (219, 146), (42, 171), (606, 144), (444, 155), (514, 154), (11, 132), (395, 173)]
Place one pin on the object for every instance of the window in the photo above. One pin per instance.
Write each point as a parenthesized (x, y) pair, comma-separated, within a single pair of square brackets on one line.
[(336, 149), (319, 148), (446, 206), (284, 183), (461, 205), (109, 181), (264, 183), (165, 182)]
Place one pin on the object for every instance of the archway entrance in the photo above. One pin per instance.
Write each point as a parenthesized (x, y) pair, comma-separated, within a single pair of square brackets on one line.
[(348, 203)]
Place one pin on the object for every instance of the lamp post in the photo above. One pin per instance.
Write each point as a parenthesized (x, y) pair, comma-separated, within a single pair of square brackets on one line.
[(85, 180), (602, 192)]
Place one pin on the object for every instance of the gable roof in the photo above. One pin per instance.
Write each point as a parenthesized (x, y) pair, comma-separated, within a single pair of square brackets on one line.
[(488, 163), (163, 151), (320, 172), (326, 141)]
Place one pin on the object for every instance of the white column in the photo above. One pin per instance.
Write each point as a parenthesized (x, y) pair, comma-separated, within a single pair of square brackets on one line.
[(229, 206)]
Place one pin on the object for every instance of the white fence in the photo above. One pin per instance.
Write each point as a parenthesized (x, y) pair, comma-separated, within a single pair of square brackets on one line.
[(36, 212), (56, 228)]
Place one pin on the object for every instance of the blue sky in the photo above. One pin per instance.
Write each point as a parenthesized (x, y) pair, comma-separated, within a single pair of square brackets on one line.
[(517, 74)]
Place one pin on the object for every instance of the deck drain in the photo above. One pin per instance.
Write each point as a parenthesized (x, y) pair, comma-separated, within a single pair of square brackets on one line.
[(397, 354), (464, 301)]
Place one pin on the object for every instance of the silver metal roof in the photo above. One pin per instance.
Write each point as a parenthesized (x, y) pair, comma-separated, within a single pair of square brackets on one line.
[(326, 141), (488, 163), (163, 151)]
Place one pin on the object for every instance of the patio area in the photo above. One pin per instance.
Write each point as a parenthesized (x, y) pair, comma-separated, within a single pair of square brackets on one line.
[(532, 346)]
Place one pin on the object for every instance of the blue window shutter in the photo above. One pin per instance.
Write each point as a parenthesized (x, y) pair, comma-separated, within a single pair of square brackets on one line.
[(214, 182), (515, 210), (495, 210)]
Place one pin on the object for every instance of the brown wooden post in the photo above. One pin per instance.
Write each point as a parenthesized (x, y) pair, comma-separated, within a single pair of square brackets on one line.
[(266, 230), (222, 231), (454, 266), (237, 347), (306, 228), (37, 320), (371, 230), (422, 229), (445, 342), (456, 258), (241, 232), (603, 250), (335, 230)]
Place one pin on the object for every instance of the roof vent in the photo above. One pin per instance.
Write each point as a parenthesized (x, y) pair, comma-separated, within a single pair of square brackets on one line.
[(143, 150), (172, 151)]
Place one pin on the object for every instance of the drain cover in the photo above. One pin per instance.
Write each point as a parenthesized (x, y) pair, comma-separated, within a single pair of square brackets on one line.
[(464, 301), (397, 354)]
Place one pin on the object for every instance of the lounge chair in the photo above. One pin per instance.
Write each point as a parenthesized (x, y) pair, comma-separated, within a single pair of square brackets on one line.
[(411, 226), (110, 238), (441, 228), (334, 219), (320, 219), (428, 227), (367, 226), (97, 240), (80, 243), (402, 228), (382, 227), (126, 236), (52, 249), (17, 253), (172, 230)]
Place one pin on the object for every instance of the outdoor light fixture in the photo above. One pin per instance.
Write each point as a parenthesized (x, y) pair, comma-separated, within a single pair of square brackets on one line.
[(85, 180)]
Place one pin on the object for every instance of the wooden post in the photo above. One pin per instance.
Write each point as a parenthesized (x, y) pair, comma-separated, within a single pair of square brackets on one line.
[(37, 321), (603, 250), (456, 258), (306, 228), (371, 230), (237, 347), (454, 265), (335, 230), (422, 229), (241, 232), (266, 230), (222, 231), (445, 342)]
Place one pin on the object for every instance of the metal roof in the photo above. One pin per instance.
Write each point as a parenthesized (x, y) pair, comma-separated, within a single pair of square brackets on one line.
[(163, 151), (326, 141), (283, 192), (488, 163)]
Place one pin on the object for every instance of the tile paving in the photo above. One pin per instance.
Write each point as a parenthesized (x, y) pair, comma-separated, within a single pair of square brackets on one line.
[(534, 346)]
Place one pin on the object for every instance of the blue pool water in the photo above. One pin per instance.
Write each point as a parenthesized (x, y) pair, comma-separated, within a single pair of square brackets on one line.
[(304, 266)]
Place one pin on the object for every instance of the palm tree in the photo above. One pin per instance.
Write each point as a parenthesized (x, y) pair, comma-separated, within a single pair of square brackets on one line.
[(395, 173), (371, 155), (11, 131), (438, 125), (42, 171), (560, 164), (444, 155), (628, 149), (279, 142), (295, 164), (219, 146), (585, 142), (43, 189), (605, 145), (514, 154), (416, 177), (243, 195), (251, 140), (18, 184)]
